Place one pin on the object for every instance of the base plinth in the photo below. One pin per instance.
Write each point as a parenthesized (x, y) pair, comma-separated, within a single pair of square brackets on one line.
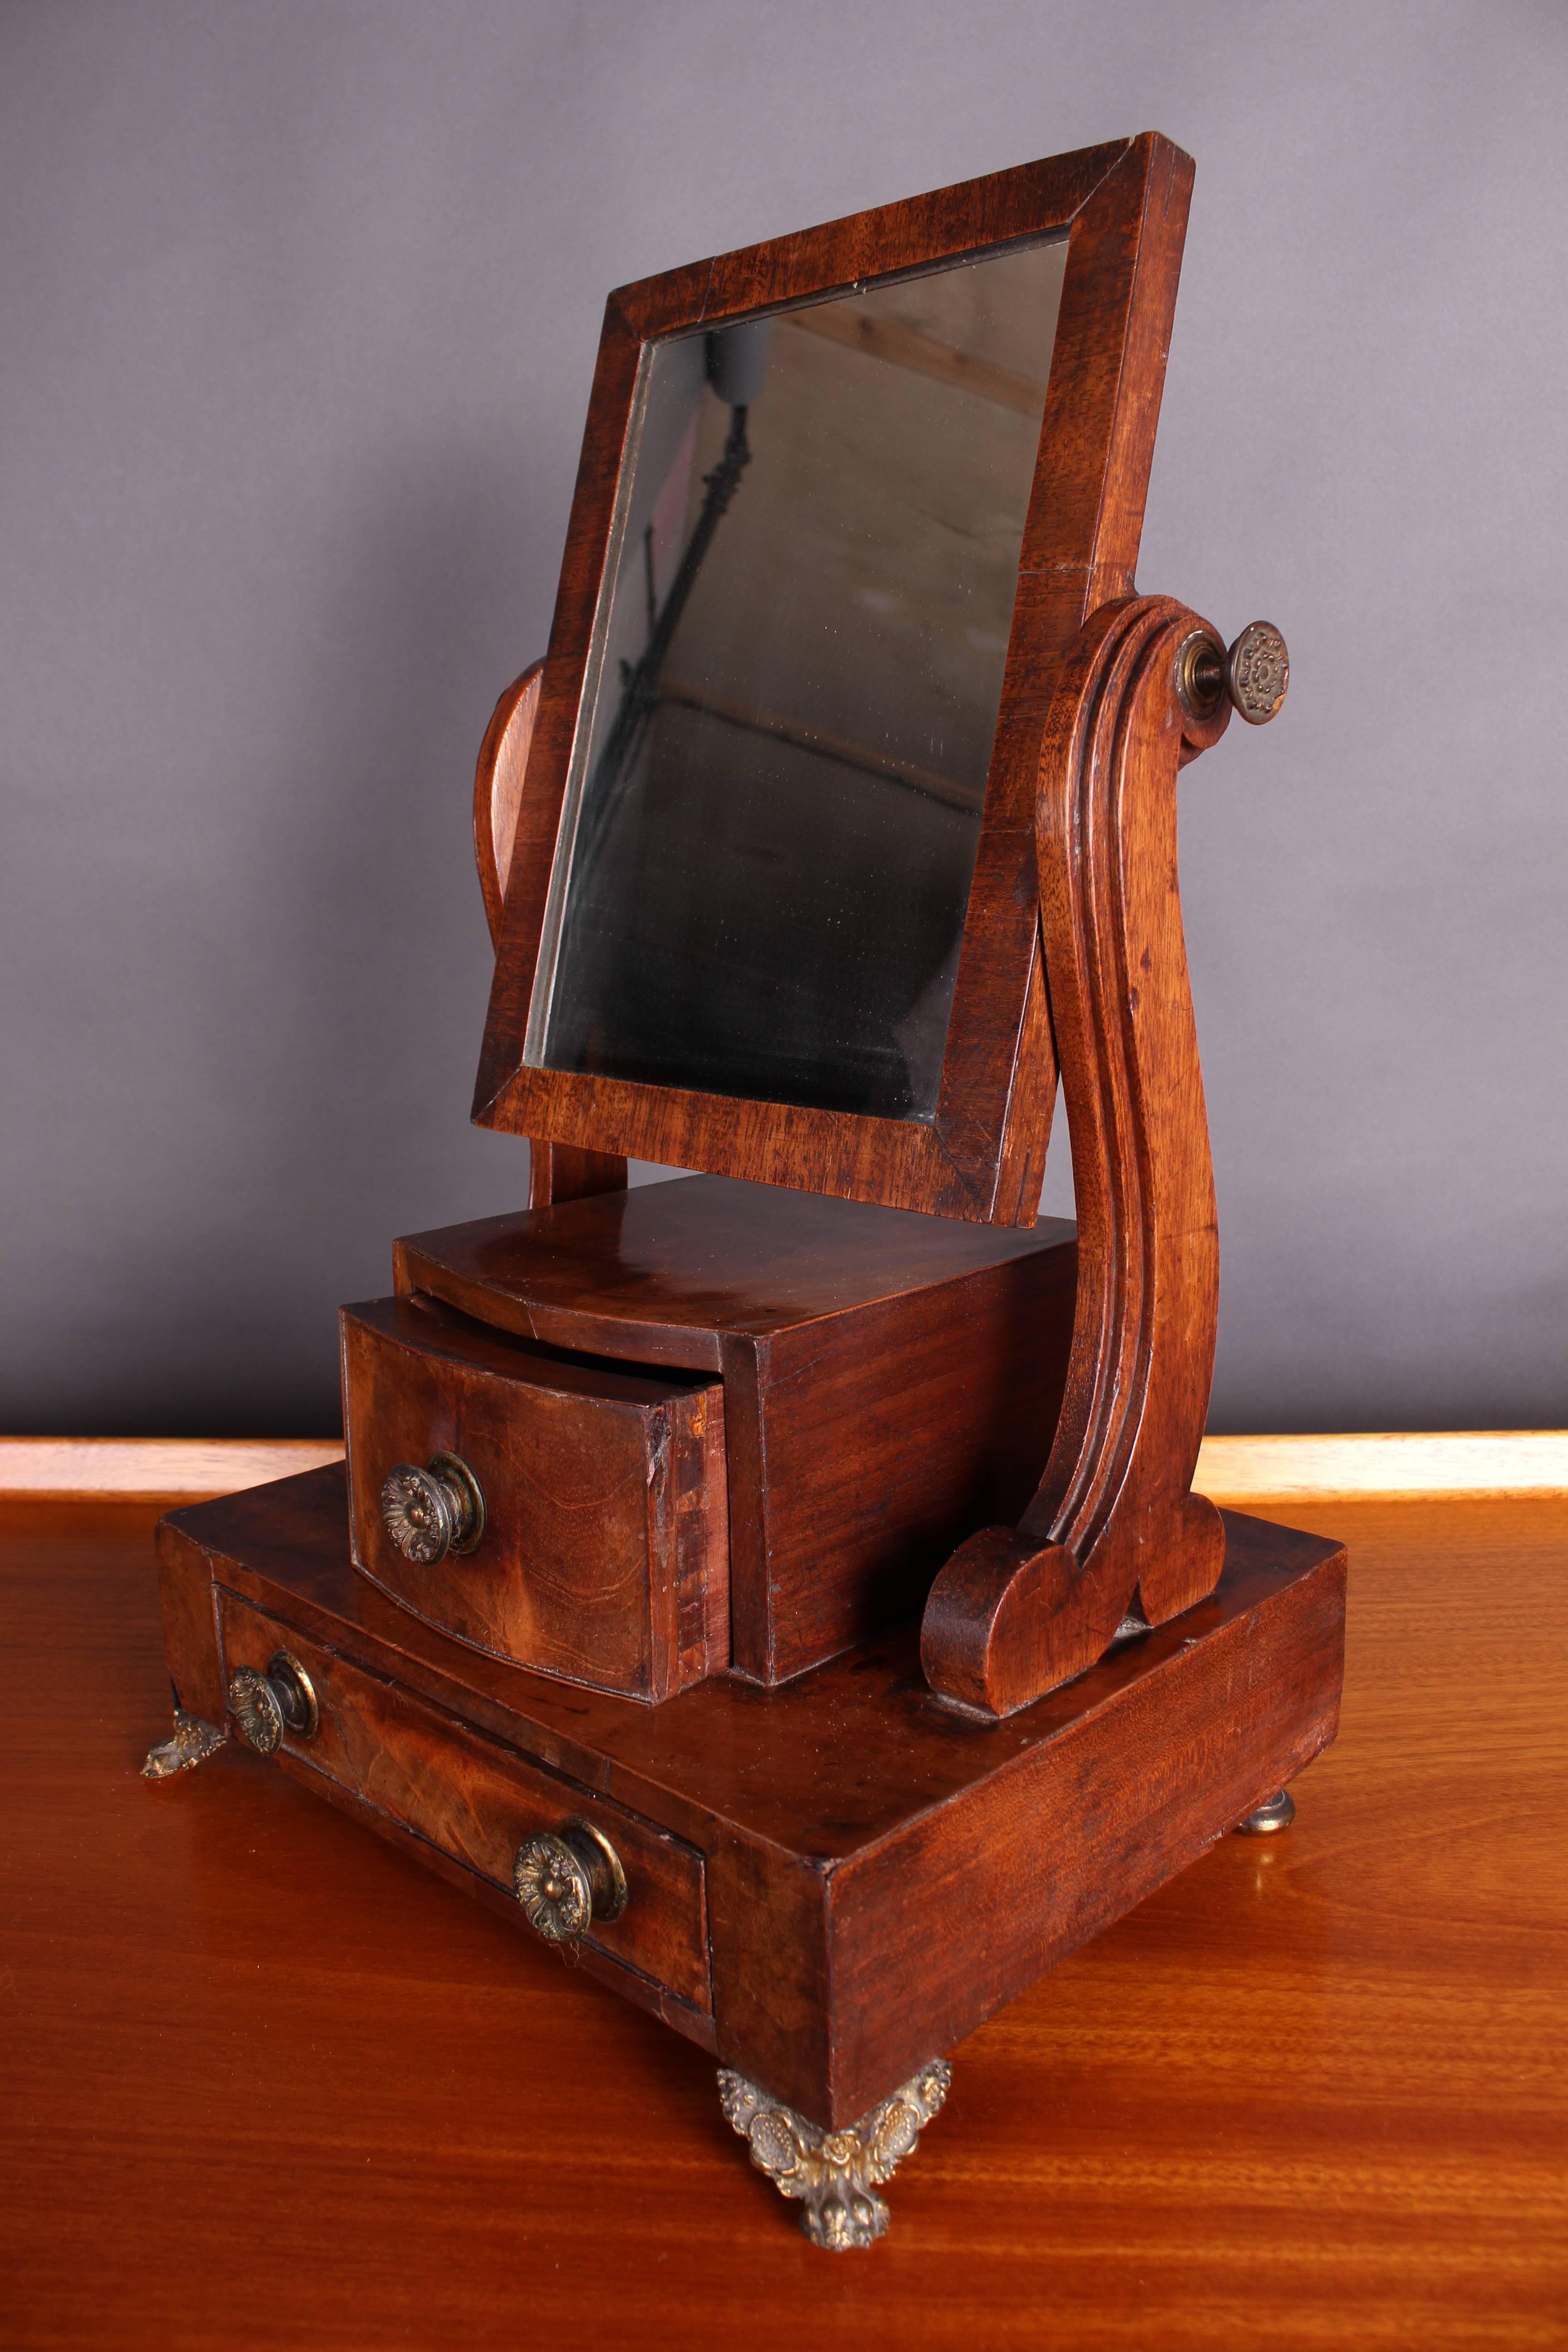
[(824, 1883)]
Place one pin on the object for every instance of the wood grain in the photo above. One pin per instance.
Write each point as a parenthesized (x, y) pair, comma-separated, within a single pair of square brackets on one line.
[(666, 1273), (1245, 1470), (556, 1172), (1471, 1462), (1015, 1611), (72, 1469), (605, 1555), (1123, 208), (1311, 2093), (499, 776), (890, 1381), (411, 1767), (848, 1778)]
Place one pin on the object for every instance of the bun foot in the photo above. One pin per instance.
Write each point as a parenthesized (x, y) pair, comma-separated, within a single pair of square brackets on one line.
[(1276, 1813), (835, 2175)]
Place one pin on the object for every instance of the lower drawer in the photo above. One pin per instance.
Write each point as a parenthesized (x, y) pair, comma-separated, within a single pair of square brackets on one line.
[(478, 1803)]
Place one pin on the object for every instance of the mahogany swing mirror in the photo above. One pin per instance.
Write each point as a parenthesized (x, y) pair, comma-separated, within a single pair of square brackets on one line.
[(740, 1579), (844, 502)]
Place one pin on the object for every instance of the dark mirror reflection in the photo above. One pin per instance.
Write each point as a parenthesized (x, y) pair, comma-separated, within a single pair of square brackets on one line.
[(775, 805)]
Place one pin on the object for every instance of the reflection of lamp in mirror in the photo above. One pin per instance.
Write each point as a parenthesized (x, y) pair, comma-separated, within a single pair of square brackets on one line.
[(738, 361)]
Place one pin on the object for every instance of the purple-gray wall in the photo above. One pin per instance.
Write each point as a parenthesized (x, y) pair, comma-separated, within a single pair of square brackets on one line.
[(298, 307)]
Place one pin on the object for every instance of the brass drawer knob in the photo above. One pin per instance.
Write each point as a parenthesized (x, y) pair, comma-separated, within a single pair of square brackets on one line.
[(1254, 673), (568, 1878), (430, 1512), (266, 1705)]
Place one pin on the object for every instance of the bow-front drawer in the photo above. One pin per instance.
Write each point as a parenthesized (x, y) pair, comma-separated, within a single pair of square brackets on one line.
[(557, 1511), (584, 1870)]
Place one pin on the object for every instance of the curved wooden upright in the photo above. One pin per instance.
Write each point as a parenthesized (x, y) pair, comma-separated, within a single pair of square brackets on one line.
[(1114, 1528), (556, 1171)]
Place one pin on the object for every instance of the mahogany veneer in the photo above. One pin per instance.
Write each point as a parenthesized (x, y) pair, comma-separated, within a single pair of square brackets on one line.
[(875, 1873), (605, 1555), (1123, 207), (1311, 2095), (890, 1381), (851, 1844)]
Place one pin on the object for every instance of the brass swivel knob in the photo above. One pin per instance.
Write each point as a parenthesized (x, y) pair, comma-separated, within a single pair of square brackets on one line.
[(1254, 673), (430, 1512), (266, 1705), (568, 1878)]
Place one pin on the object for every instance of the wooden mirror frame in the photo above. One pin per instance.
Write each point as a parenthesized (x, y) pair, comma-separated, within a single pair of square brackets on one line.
[(1123, 208)]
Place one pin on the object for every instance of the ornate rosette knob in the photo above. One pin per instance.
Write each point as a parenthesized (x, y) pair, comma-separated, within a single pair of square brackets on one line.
[(430, 1512), (266, 1705), (568, 1878), (1254, 673)]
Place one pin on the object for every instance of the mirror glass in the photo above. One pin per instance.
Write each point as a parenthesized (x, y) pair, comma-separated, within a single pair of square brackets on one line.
[(773, 805)]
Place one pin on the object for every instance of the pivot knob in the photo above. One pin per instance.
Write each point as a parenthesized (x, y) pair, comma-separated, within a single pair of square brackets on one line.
[(266, 1705), (1254, 673), (430, 1512), (568, 1878)]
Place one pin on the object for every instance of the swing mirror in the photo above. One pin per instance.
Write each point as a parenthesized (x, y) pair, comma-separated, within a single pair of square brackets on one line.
[(775, 800), (845, 500)]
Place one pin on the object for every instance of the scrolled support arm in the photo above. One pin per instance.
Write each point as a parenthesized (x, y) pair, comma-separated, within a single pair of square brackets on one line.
[(1114, 1529)]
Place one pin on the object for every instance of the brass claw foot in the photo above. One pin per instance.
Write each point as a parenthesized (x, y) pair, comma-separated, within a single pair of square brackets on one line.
[(835, 2175), (193, 1743)]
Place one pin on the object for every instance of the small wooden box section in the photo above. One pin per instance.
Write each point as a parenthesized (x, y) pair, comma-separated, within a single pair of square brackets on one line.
[(891, 1381), (411, 1765), (604, 1557)]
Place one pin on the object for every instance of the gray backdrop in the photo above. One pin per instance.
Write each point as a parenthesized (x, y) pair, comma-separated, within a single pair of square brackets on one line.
[(299, 304)]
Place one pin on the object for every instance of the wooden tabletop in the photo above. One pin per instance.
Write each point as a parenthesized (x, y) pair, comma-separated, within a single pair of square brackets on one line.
[(268, 2083)]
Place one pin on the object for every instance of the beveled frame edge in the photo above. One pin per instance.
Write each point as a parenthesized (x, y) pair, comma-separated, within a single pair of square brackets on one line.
[(1123, 207)]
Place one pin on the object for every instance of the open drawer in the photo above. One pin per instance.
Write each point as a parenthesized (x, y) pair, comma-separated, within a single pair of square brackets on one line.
[(557, 1511)]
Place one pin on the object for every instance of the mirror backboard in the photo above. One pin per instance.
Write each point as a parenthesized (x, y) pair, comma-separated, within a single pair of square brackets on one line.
[(844, 501)]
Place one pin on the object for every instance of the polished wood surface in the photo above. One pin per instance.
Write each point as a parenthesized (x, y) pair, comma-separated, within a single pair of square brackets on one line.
[(1123, 207), (605, 1554), (891, 1381), (397, 1762), (266, 2082), (74, 1469), (665, 1273), (1115, 1523), (1244, 1471), (556, 1172), (497, 789)]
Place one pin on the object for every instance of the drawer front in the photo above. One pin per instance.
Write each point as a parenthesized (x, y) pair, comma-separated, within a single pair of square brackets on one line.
[(605, 1553), (476, 1801)]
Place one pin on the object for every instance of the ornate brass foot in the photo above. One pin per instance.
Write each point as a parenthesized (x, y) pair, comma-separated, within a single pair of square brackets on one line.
[(1276, 1813), (835, 2175), (193, 1743)]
